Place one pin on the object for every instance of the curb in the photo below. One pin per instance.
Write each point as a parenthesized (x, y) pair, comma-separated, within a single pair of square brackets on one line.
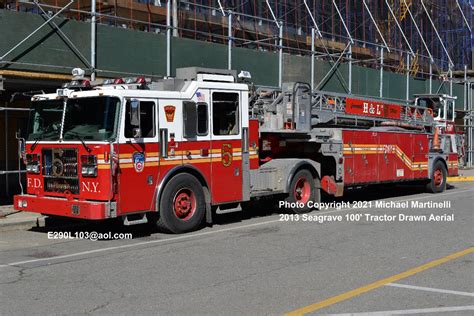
[(25, 222), (460, 179)]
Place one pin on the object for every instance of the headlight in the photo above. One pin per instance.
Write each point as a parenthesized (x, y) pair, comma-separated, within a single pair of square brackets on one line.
[(91, 171), (89, 166), (32, 163)]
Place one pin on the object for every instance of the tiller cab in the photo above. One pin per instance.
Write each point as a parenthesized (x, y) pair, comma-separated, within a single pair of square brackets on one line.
[(176, 151)]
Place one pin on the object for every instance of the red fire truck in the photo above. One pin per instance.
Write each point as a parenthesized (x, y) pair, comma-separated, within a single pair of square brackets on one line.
[(178, 150)]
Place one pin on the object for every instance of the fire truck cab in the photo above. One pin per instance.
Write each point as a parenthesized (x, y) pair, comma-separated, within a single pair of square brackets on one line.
[(443, 107), (181, 147)]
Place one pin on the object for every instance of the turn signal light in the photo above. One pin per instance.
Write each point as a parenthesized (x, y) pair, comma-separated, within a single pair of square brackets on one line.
[(89, 165)]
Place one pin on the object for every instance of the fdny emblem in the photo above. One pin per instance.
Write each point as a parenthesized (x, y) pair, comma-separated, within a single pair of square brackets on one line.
[(169, 113), (138, 161)]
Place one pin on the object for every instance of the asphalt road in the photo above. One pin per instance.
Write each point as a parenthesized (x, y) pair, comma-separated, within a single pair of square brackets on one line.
[(255, 263)]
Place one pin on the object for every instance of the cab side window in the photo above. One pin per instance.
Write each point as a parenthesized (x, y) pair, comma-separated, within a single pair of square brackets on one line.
[(450, 111), (147, 120), (225, 113), (202, 121)]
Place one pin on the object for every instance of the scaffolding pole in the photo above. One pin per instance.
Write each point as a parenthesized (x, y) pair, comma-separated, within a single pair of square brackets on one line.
[(436, 31), (381, 73), (400, 28), (418, 31), (408, 78), (313, 31), (93, 38), (230, 39), (464, 17), (279, 24), (331, 60), (376, 25), (431, 79), (168, 38)]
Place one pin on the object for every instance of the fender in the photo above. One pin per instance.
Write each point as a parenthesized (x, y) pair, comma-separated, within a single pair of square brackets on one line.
[(433, 158), (195, 172), (314, 167)]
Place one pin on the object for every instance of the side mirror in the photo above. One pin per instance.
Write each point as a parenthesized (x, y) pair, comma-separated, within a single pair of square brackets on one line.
[(21, 146), (135, 112)]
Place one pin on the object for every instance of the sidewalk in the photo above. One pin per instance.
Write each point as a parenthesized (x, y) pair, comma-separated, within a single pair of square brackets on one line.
[(11, 219), (465, 175)]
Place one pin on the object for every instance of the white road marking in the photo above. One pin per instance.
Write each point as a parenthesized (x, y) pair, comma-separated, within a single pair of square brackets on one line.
[(429, 289), (411, 311), (189, 236)]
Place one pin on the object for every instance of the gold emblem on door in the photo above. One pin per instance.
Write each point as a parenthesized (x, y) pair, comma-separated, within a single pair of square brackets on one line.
[(226, 154)]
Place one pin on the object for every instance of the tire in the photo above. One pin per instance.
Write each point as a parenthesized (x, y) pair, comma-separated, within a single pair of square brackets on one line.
[(302, 190), (438, 178), (182, 205)]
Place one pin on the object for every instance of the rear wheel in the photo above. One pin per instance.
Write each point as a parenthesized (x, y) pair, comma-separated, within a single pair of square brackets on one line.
[(302, 191), (437, 182), (182, 206)]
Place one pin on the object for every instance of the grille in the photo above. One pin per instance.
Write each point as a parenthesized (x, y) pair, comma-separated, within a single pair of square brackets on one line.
[(60, 170)]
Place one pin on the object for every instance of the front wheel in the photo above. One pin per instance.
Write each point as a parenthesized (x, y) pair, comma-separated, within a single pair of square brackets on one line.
[(438, 179), (182, 205), (302, 191)]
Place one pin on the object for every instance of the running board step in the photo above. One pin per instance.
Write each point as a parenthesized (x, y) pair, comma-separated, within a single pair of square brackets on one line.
[(221, 210), (135, 219)]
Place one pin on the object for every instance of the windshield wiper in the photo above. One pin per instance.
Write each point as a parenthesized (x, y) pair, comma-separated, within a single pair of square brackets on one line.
[(82, 141), (36, 139)]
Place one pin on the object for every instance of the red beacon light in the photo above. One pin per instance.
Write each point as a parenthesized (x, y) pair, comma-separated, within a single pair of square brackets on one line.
[(141, 80), (119, 81)]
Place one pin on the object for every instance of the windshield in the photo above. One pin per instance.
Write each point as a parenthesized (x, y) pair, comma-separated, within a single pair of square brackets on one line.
[(435, 104), (91, 118), (45, 120)]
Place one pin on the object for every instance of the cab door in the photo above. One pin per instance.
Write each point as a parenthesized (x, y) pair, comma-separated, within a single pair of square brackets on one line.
[(138, 156), (226, 146)]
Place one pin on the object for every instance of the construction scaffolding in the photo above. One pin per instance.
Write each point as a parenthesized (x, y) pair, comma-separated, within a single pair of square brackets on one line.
[(436, 33)]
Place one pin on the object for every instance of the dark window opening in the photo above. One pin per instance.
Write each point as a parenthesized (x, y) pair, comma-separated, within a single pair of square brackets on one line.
[(202, 117), (225, 113), (147, 120)]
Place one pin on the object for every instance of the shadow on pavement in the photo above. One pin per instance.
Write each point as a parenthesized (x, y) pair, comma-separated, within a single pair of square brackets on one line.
[(254, 209)]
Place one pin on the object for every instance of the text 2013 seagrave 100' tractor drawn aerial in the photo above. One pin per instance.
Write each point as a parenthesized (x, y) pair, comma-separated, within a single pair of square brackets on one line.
[(177, 150)]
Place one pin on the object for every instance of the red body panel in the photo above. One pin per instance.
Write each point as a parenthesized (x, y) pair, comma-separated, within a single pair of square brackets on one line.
[(254, 139), (136, 185), (94, 210), (226, 175), (375, 109), (453, 165), (372, 157), (90, 188)]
